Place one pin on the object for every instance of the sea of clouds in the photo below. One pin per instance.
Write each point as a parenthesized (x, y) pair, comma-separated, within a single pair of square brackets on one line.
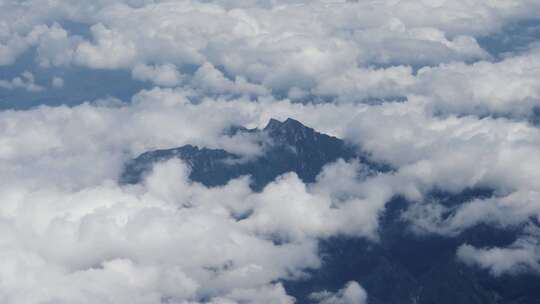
[(408, 81)]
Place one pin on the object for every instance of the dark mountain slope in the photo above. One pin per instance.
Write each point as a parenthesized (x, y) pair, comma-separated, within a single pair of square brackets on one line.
[(289, 146), (402, 267), (407, 268)]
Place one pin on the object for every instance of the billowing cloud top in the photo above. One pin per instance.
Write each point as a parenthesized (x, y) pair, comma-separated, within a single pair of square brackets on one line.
[(431, 88)]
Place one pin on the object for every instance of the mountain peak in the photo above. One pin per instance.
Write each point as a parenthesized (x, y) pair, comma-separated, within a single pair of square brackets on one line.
[(273, 124), (288, 125), (293, 122), (290, 147)]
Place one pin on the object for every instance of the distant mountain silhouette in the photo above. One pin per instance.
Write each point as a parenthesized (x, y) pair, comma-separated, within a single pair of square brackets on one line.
[(289, 147)]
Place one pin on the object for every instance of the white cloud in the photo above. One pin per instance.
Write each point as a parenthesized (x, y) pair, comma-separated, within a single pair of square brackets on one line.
[(211, 80), (452, 154), (352, 293), (504, 211), (57, 82), (506, 87), (25, 81), (288, 48), (271, 294), (114, 242), (522, 256), (167, 238), (229, 63), (164, 75), (55, 46), (111, 49)]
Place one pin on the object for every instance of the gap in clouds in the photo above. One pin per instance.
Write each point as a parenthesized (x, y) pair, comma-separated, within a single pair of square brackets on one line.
[(79, 84), (514, 38)]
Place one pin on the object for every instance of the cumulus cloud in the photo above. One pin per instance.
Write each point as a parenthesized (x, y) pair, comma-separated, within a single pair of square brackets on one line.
[(25, 81), (46, 152), (160, 118), (164, 75), (352, 293), (57, 82), (53, 43), (111, 49), (522, 257), (167, 238), (344, 50), (418, 142), (483, 88), (406, 81), (266, 295), (212, 81), (287, 48), (114, 242), (452, 154), (502, 211)]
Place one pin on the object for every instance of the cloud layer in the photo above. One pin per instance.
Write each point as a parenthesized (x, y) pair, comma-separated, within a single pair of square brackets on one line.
[(406, 81)]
